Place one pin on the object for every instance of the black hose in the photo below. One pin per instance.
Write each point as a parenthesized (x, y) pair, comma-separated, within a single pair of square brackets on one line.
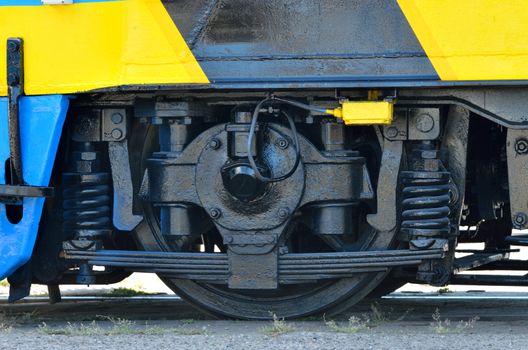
[(291, 123)]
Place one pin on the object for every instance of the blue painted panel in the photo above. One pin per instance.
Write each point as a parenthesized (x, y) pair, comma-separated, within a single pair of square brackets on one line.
[(41, 122)]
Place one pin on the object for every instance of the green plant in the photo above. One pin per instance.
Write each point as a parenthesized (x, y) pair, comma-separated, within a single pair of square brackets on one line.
[(278, 326), (445, 326), (354, 325), (118, 326), (4, 283), (124, 292), (444, 290), (6, 323), (377, 316)]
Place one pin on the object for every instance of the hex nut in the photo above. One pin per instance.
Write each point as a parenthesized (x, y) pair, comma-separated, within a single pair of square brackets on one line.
[(521, 146), (215, 143)]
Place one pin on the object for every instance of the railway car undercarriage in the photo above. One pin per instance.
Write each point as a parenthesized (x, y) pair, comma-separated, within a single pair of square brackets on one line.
[(255, 204)]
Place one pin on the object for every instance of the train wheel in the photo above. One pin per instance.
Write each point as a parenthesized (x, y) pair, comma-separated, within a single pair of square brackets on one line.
[(288, 301)]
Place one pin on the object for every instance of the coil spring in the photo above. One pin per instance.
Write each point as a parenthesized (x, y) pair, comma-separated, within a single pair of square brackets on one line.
[(86, 205), (425, 204)]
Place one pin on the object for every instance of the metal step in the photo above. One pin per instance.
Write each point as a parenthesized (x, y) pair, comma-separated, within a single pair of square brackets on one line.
[(293, 268)]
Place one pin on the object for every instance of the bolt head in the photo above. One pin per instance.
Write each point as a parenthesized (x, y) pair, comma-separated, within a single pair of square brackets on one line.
[(521, 146), (283, 213), (117, 118), (424, 123), (282, 143), (391, 131), (519, 220), (215, 143), (117, 134), (215, 213)]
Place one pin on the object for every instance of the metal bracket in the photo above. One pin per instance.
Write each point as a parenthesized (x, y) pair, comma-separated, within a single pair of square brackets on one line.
[(385, 217), (123, 215), (517, 156), (14, 192), (15, 89), (11, 194)]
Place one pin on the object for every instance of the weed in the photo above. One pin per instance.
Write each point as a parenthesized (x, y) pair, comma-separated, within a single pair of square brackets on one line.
[(5, 327), (71, 329), (444, 290), (26, 317), (4, 283), (278, 326), (445, 326), (122, 326), (124, 292), (354, 325), (187, 321), (119, 326), (376, 315), (6, 323)]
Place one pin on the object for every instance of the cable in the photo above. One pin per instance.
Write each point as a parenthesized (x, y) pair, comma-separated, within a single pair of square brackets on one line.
[(291, 123)]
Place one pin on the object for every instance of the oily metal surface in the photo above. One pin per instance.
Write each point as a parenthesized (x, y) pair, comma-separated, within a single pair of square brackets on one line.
[(241, 41)]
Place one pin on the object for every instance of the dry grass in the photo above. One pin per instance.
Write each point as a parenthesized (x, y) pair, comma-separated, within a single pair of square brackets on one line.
[(118, 326), (354, 325), (125, 292), (446, 327), (278, 326), (6, 324)]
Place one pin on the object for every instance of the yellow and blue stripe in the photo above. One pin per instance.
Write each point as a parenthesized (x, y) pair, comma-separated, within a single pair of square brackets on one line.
[(93, 44)]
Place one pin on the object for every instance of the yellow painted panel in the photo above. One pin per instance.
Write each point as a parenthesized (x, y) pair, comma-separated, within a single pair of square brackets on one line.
[(85, 46), (472, 39), (364, 112)]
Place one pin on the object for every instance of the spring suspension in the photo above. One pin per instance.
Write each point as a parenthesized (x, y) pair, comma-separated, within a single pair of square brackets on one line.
[(425, 217), (86, 204), (425, 204)]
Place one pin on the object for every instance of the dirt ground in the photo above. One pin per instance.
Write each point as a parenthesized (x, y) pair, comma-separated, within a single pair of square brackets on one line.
[(416, 317), (406, 321)]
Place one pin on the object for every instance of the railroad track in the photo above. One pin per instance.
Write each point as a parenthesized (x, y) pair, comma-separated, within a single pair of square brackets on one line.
[(415, 306)]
